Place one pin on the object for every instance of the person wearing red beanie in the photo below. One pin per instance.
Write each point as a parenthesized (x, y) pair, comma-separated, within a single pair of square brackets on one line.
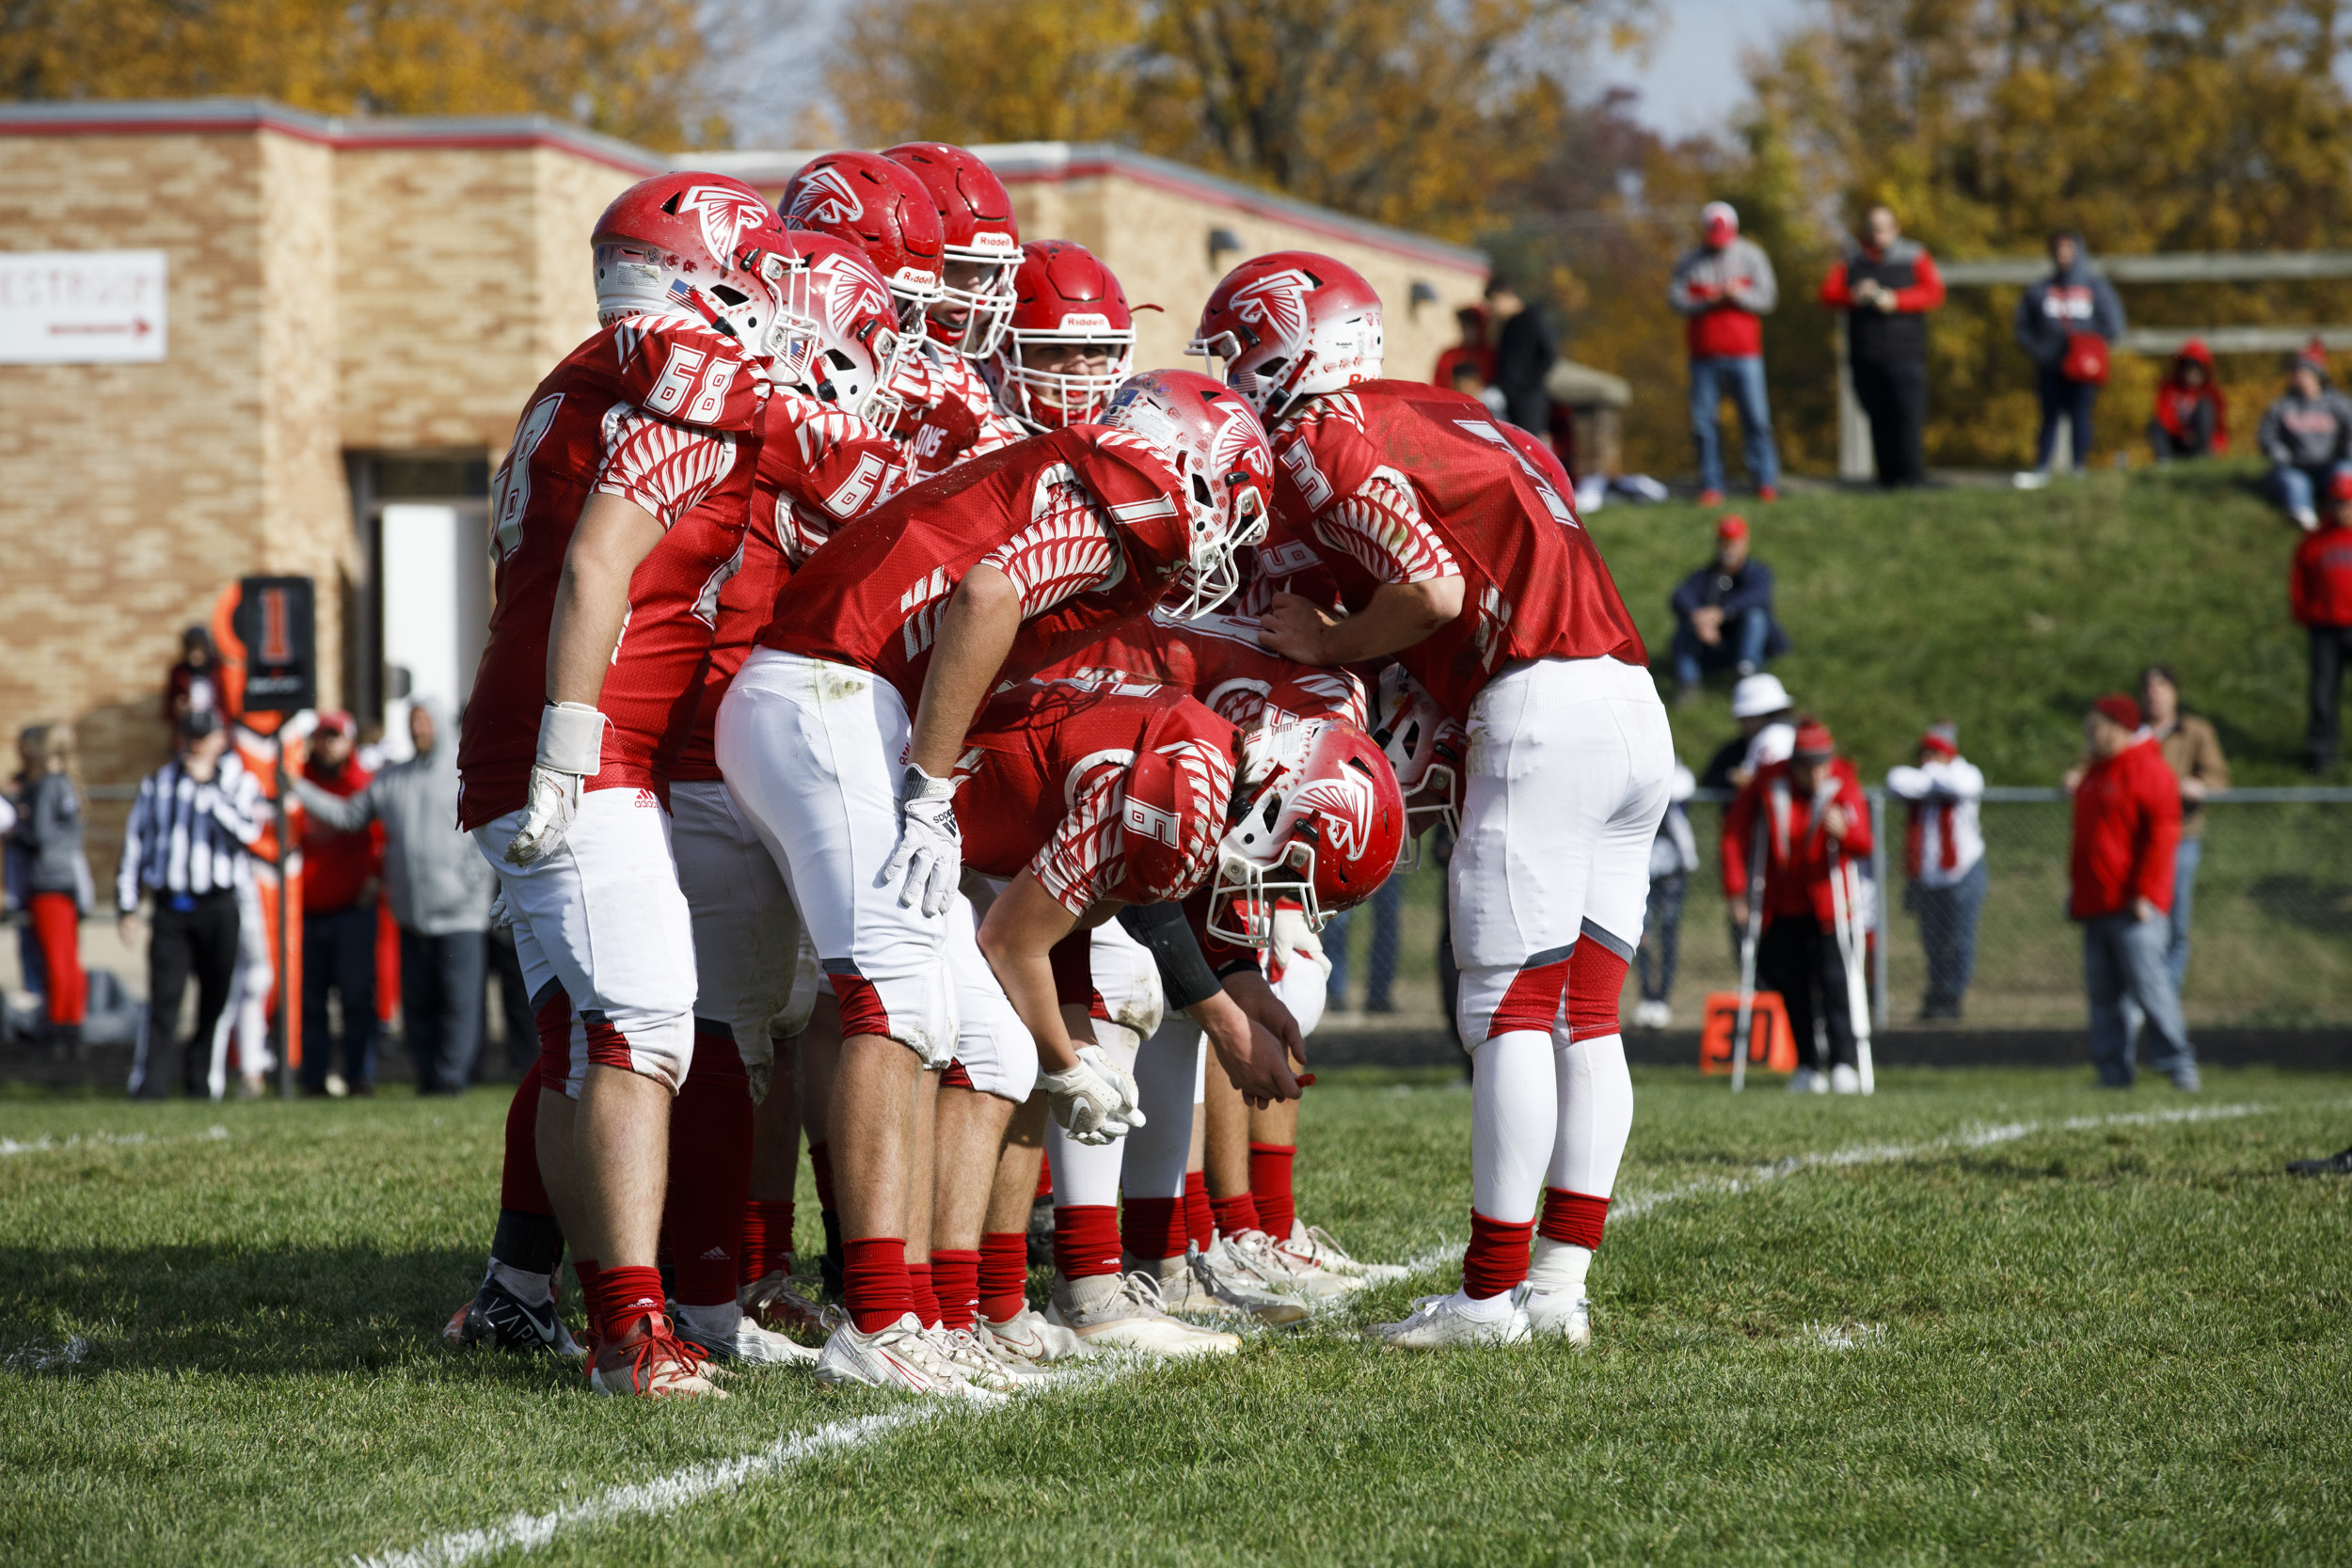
[(2127, 828)]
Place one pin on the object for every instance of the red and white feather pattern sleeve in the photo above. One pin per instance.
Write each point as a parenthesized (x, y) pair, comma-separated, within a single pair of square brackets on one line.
[(1087, 859), (1074, 863), (1067, 549), (1381, 528), (996, 428), (664, 468)]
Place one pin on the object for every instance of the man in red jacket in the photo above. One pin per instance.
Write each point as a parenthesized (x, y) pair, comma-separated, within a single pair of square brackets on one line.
[(1805, 818), (2320, 591), (339, 884), (2127, 824)]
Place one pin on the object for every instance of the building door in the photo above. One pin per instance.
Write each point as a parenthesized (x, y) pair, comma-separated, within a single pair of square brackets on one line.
[(436, 577)]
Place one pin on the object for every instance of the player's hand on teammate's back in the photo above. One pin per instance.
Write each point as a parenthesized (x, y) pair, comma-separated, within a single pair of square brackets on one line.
[(1294, 627), (931, 846)]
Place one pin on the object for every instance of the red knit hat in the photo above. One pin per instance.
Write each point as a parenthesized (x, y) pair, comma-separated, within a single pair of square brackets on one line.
[(1943, 739), (2340, 487), (1814, 740), (1732, 526), (2122, 709)]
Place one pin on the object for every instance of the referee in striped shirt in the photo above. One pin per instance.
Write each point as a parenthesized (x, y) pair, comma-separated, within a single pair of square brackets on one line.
[(186, 845)]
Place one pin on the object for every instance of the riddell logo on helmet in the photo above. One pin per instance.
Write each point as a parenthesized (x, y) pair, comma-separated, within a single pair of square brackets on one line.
[(1277, 303), (825, 197), (1345, 805), (725, 213)]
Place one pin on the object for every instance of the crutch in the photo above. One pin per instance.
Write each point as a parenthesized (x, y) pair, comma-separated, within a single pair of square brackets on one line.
[(1748, 939), (1845, 895)]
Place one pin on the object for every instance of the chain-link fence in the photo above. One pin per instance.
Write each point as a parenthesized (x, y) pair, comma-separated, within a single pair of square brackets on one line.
[(2270, 935)]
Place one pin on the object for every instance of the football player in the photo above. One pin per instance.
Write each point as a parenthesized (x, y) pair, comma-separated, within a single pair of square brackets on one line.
[(840, 735), (951, 415), (1456, 551), (1069, 342), (622, 503)]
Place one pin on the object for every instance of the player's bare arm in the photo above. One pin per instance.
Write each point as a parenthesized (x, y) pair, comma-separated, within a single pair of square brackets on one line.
[(1399, 615), (976, 633), (1256, 999), (613, 537)]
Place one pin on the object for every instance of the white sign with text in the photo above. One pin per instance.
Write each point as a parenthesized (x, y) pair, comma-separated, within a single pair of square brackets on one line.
[(81, 306)]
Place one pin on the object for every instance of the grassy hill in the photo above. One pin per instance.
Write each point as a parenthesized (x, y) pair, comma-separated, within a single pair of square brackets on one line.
[(2004, 610)]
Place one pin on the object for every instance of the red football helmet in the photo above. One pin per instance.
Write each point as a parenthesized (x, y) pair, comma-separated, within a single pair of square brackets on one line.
[(700, 247), (976, 213), (1219, 453), (1425, 747), (841, 341), (883, 210), (1065, 302), (1288, 326), (1321, 825)]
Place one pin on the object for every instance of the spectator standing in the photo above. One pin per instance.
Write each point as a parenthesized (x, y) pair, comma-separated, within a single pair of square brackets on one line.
[(2320, 593), (1387, 917), (2127, 831), (1768, 732), (1524, 352), (55, 890), (1724, 290), (193, 683), (1723, 612), (340, 873), (1944, 863), (1474, 350), (2066, 324), (1674, 854), (2307, 438), (1810, 815), (186, 845), (1887, 285), (440, 890), (2193, 752), (2192, 418)]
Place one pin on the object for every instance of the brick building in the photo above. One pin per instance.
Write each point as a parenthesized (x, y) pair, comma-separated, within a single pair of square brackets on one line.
[(353, 312)]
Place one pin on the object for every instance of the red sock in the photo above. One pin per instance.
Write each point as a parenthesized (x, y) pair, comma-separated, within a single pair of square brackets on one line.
[(956, 1281), (1199, 1219), (1086, 1240), (1004, 1274), (1575, 1218), (710, 1173), (1270, 1184), (1235, 1214), (925, 1299), (821, 1164), (520, 1186), (767, 1237), (628, 1293), (1044, 1180), (1496, 1259), (874, 1283), (1153, 1227)]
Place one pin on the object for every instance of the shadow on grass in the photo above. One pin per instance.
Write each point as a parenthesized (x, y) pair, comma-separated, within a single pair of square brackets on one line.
[(248, 1311)]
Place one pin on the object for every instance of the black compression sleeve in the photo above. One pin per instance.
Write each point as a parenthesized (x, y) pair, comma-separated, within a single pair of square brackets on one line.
[(1184, 973)]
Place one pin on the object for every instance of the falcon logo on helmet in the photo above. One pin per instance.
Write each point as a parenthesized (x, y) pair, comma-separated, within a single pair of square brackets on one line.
[(842, 342), (1320, 826), (726, 212), (1288, 326), (1345, 803), (698, 247), (824, 199), (1276, 305)]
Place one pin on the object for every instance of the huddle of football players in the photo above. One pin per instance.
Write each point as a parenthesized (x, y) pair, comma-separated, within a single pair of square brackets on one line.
[(902, 721)]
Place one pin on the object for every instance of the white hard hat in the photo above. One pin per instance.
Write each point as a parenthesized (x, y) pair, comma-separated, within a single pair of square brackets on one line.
[(1758, 695)]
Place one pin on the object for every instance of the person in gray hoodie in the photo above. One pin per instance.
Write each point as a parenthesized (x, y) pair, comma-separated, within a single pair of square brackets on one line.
[(440, 890), (2307, 436), (54, 880), (1724, 290), (2072, 302)]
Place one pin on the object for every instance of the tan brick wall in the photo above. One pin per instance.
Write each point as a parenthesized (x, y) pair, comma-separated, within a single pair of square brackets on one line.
[(572, 193)]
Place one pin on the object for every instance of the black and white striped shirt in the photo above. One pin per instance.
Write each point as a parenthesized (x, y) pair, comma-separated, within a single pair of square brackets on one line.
[(187, 838)]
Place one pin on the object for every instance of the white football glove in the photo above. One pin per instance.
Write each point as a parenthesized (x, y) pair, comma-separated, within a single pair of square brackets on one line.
[(1294, 941), (1095, 1101), (571, 750), (931, 846)]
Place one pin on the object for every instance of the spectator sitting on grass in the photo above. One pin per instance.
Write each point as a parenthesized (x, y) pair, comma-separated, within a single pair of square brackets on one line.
[(1768, 730), (2192, 418), (1723, 612), (2307, 436), (1944, 864), (2320, 593)]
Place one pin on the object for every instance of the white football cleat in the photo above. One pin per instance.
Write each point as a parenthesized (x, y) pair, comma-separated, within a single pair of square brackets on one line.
[(1227, 1275), (1115, 1311), (978, 1364), (1312, 1241), (1441, 1322), (898, 1356), (1808, 1080), (746, 1342), (784, 1302), (1280, 1271), (1027, 1336), (1567, 1315), (1652, 1015), (1844, 1080)]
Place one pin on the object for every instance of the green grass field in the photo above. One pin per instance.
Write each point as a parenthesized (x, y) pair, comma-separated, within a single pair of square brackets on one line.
[(1986, 1317)]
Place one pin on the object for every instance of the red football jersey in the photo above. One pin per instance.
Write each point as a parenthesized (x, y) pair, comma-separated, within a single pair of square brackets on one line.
[(662, 412), (1106, 789), (1219, 659), (1088, 522), (1398, 482), (818, 467), (951, 413)]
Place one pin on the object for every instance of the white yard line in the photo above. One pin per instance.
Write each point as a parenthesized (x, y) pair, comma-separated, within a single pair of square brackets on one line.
[(47, 1144), (525, 1532)]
